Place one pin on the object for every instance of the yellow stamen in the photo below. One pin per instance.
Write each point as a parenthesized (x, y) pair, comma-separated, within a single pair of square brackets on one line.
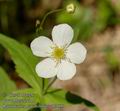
[(58, 53)]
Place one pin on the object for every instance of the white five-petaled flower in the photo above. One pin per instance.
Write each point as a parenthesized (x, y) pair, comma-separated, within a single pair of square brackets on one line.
[(60, 56)]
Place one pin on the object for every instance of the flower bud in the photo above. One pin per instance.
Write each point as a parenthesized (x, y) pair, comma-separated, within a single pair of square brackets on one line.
[(37, 23), (70, 8)]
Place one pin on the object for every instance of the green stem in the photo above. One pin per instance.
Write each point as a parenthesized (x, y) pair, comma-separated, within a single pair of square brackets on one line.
[(49, 85), (43, 84), (46, 15), (56, 90)]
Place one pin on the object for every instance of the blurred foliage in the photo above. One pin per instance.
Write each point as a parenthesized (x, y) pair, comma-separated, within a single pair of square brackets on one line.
[(111, 59), (17, 18)]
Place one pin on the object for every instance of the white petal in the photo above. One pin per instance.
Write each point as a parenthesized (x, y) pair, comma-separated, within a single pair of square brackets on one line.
[(46, 68), (41, 46), (66, 70), (76, 53), (62, 35)]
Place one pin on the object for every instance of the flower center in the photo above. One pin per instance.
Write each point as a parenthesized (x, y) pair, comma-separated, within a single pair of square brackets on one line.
[(58, 53)]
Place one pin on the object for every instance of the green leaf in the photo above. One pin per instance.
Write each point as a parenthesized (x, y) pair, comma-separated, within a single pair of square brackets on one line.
[(6, 85), (35, 109), (56, 98), (20, 100), (24, 60), (74, 99), (63, 98)]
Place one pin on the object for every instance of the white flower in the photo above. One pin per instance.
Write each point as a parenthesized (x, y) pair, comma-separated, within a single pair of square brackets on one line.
[(60, 56)]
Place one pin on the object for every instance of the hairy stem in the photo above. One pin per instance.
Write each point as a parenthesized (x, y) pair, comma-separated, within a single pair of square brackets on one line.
[(46, 15), (49, 85)]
